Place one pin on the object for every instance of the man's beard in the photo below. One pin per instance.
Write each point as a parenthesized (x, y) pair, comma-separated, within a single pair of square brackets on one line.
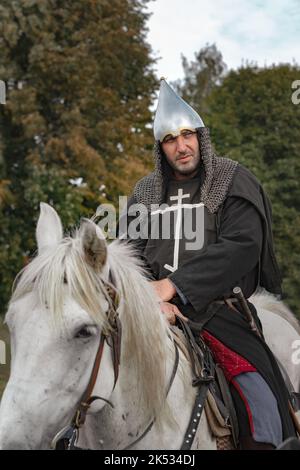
[(186, 168)]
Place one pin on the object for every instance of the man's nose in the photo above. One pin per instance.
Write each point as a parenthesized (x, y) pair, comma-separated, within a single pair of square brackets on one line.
[(181, 144)]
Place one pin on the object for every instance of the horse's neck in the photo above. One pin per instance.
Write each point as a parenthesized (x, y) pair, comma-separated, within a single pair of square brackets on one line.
[(121, 426)]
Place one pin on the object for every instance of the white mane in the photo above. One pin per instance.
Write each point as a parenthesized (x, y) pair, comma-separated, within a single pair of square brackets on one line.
[(63, 269)]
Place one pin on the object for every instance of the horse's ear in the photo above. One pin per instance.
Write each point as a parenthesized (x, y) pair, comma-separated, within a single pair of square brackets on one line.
[(94, 244), (49, 231)]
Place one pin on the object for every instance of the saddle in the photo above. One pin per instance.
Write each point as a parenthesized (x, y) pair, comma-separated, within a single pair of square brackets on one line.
[(213, 388), (218, 402)]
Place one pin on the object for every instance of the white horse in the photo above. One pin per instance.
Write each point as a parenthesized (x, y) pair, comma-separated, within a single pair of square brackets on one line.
[(58, 310)]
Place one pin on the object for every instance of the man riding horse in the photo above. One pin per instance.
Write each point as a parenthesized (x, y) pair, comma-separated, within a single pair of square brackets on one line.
[(191, 187)]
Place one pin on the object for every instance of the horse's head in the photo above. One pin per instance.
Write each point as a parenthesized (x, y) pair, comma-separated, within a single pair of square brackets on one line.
[(55, 317)]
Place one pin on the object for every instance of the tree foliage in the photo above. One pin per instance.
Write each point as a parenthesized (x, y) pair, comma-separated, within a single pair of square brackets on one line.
[(201, 76), (79, 87)]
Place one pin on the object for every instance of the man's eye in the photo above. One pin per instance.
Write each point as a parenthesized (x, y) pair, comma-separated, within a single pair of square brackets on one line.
[(168, 138), (187, 134)]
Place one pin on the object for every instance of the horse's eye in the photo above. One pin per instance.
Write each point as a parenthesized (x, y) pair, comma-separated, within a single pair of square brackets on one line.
[(86, 332)]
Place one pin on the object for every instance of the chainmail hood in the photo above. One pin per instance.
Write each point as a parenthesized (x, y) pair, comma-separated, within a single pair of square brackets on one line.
[(219, 172)]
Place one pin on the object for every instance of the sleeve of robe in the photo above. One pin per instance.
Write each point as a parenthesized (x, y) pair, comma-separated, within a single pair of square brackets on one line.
[(219, 267)]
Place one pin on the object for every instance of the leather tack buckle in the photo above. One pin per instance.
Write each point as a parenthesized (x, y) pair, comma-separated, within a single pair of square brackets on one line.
[(65, 439)]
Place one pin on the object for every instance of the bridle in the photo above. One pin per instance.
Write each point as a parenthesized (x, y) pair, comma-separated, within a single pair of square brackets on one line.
[(66, 438), (88, 398)]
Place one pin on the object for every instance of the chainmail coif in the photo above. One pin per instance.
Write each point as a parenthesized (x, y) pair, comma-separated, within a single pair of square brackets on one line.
[(219, 172)]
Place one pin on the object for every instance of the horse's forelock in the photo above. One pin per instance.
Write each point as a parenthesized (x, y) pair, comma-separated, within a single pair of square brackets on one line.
[(59, 271)]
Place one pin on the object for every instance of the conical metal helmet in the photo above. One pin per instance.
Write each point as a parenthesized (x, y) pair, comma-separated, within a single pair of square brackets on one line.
[(173, 114)]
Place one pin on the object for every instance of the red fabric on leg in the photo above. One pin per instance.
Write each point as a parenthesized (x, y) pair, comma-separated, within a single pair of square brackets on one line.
[(232, 363)]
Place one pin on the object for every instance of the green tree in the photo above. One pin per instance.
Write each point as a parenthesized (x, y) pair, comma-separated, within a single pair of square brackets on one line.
[(79, 86), (201, 76)]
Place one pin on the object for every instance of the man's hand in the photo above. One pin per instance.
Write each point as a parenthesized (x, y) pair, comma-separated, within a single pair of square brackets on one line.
[(164, 289), (171, 312)]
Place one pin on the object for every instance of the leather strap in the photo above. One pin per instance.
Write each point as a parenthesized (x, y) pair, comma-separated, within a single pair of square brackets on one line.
[(226, 395), (229, 302), (80, 414), (202, 377), (116, 348), (195, 417)]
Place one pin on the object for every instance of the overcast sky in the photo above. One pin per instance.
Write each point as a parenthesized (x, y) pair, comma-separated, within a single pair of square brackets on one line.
[(263, 31)]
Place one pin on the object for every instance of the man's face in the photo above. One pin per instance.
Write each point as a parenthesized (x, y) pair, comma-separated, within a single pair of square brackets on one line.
[(182, 153)]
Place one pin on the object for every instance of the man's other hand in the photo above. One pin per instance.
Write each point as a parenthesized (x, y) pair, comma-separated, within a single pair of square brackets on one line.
[(171, 312), (164, 288)]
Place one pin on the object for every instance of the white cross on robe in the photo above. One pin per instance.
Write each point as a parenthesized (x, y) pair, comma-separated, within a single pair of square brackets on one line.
[(180, 196), (177, 209)]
